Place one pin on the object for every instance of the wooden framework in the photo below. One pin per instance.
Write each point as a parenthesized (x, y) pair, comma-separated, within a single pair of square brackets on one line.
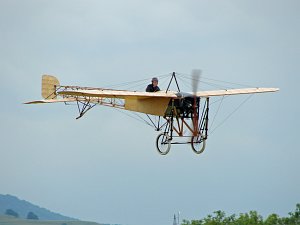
[(185, 115)]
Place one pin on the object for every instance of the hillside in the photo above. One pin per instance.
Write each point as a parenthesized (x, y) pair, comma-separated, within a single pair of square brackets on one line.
[(23, 207), (5, 220)]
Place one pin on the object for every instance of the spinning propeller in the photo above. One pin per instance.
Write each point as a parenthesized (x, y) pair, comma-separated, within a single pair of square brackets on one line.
[(196, 76)]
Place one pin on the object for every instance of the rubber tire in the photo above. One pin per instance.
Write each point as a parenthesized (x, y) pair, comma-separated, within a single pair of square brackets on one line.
[(157, 144), (201, 149)]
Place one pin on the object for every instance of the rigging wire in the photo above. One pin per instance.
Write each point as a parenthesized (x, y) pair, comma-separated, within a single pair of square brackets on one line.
[(165, 81), (212, 123), (234, 111), (136, 84), (188, 85), (132, 82), (216, 80), (141, 119), (225, 96), (142, 86), (184, 78), (243, 85), (204, 82)]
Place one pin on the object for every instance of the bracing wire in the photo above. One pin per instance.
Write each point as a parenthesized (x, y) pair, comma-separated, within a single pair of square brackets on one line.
[(205, 82), (212, 123), (186, 81), (215, 80), (140, 119), (243, 85), (142, 86), (133, 82), (225, 96), (234, 111), (164, 81), (138, 84)]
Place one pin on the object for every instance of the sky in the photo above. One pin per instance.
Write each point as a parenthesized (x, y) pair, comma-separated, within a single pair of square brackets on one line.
[(104, 167)]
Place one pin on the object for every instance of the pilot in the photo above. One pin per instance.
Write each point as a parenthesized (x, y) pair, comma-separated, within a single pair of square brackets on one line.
[(153, 86)]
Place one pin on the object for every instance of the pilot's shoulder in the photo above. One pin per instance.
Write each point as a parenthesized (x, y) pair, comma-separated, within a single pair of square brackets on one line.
[(149, 88)]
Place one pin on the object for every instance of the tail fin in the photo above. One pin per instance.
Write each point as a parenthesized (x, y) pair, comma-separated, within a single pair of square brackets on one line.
[(49, 86)]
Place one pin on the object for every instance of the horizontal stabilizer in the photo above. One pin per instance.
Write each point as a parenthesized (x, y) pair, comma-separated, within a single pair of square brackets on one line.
[(51, 101)]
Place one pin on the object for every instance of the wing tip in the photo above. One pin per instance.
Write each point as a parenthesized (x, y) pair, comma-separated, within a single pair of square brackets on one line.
[(34, 102)]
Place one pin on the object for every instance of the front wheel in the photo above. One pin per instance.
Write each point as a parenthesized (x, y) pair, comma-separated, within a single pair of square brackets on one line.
[(198, 143), (163, 143)]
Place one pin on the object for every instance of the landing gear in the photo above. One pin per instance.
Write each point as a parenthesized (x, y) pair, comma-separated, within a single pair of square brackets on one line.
[(198, 143), (184, 125), (84, 106), (163, 143)]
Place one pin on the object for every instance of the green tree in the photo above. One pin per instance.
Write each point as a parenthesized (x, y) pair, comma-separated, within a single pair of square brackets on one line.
[(273, 219), (32, 216), (11, 212), (251, 218), (294, 218)]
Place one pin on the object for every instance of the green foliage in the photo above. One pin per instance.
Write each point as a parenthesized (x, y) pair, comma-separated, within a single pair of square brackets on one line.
[(11, 212), (273, 219), (32, 216), (251, 218)]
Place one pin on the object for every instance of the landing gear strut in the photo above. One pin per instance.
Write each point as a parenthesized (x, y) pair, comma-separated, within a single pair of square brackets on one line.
[(179, 122)]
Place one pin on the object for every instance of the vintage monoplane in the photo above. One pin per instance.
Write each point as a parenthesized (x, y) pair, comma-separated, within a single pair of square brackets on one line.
[(180, 114)]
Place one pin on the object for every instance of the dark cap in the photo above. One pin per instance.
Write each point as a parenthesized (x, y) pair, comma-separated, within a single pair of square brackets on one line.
[(154, 79)]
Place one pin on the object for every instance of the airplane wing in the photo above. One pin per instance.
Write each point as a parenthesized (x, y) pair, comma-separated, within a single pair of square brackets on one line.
[(104, 93), (142, 95), (235, 91), (154, 103)]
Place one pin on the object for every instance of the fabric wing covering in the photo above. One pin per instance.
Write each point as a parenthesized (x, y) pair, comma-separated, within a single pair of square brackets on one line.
[(154, 103)]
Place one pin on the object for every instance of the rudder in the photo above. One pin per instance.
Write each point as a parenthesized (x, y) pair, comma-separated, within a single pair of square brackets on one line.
[(49, 86)]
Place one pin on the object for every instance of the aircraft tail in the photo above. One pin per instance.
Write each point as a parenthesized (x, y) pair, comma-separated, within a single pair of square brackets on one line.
[(49, 86)]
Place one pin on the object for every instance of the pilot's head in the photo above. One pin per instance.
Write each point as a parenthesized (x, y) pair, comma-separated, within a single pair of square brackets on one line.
[(154, 81)]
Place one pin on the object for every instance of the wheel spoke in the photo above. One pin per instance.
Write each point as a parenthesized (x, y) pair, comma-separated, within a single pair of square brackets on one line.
[(163, 144), (198, 144)]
